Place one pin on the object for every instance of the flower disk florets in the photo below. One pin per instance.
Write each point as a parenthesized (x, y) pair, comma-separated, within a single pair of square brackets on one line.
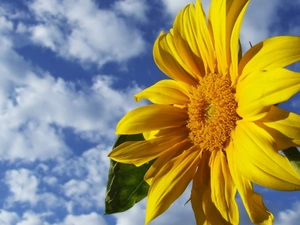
[(212, 112)]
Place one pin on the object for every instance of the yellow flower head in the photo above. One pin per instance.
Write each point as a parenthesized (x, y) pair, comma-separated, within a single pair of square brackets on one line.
[(215, 122)]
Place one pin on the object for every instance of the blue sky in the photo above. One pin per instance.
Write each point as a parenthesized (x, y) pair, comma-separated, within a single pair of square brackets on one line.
[(69, 70)]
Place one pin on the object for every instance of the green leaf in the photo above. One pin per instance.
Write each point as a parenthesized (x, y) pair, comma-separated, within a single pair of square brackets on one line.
[(126, 185), (293, 156)]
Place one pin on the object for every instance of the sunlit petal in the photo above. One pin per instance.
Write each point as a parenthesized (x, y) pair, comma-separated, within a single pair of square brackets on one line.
[(161, 117), (165, 92), (258, 91), (235, 15), (217, 25), (270, 54), (141, 152)]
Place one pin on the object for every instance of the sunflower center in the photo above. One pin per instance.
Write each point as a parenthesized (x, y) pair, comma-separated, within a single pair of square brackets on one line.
[(212, 112)]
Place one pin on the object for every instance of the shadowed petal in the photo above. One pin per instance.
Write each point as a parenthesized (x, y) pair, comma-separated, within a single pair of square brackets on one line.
[(205, 210), (223, 189), (170, 182), (168, 155)]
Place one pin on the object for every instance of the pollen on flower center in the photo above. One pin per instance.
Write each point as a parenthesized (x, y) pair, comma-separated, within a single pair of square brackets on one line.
[(212, 112)]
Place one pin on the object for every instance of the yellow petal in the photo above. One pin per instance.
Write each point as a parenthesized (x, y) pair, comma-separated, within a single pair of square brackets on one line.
[(259, 90), (217, 25), (141, 152), (151, 117), (222, 188), (257, 159), (253, 201), (235, 15), (193, 41), (272, 53), (169, 154), (204, 39), (170, 182), (186, 40), (169, 61), (165, 92), (283, 126), (200, 185), (212, 214)]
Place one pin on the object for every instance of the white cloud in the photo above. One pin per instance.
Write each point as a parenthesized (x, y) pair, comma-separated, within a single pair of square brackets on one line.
[(50, 180), (5, 25), (132, 8), (35, 107), (289, 216), (90, 219), (172, 7), (31, 218), (79, 30), (87, 184), (47, 35), (23, 186), (8, 218), (259, 16)]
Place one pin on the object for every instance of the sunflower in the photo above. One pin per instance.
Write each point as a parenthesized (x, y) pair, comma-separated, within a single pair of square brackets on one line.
[(216, 122)]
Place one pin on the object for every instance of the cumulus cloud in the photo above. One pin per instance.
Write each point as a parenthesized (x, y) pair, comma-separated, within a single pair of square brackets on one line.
[(23, 186), (80, 30), (173, 7), (31, 218), (35, 107), (289, 216), (87, 175), (136, 9), (91, 219), (8, 218)]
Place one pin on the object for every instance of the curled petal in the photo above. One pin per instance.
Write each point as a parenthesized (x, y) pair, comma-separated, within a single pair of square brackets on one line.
[(283, 126), (235, 15), (257, 159), (253, 201), (168, 59), (217, 25)]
